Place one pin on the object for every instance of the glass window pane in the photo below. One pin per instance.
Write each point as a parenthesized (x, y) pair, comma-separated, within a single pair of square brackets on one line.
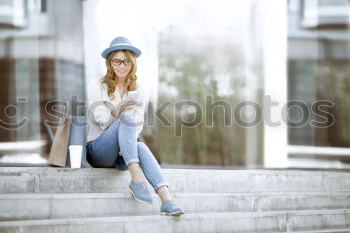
[(41, 61)]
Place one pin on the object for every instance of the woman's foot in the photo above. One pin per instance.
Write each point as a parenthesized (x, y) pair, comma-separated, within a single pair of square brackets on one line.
[(169, 207), (140, 192)]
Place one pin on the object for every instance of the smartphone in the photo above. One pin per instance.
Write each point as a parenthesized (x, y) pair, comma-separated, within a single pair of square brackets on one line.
[(132, 95)]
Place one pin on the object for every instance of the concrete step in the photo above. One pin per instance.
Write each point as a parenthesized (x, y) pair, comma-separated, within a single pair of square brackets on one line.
[(86, 205), (66, 180), (280, 221), (343, 230)]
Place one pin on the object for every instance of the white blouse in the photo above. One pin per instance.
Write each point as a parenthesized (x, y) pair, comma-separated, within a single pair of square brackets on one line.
[(99, 113)]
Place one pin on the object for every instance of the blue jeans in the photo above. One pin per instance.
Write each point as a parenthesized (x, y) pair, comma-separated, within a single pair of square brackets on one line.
[(120, 136)]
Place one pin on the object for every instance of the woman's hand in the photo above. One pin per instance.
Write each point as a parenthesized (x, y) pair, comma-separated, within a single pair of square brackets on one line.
[(124, 106)]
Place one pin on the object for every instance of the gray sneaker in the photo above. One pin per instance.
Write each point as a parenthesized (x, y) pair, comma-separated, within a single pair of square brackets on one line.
[(169, 207), (140, 192)]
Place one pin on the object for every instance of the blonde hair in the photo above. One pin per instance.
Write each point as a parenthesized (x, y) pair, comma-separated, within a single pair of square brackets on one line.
[(110, 78)]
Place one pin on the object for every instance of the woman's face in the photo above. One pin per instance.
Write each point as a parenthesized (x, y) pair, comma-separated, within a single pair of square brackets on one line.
[(121, 64)]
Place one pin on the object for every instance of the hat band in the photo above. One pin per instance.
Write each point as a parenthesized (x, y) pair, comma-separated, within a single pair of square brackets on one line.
[(121, 44)]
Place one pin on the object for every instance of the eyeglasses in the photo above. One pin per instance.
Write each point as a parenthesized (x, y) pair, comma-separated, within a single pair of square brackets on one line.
[(118, 62)]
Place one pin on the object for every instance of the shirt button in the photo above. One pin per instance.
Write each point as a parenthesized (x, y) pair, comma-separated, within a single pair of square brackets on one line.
[(120, 153)]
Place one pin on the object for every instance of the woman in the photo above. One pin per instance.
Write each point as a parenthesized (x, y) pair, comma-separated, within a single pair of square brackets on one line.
[(116, 121)]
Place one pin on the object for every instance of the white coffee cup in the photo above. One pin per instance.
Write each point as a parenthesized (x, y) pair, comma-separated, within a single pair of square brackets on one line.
[(75, 152)]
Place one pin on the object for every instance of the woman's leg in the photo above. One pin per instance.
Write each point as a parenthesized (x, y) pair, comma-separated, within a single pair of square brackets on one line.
[(104, 150), (127, 136), (136, 174), (153, 172), (121, 136), (163, 193), (138, 153)]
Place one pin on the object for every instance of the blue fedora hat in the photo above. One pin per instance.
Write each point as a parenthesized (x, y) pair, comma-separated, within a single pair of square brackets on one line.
[(120, 43)]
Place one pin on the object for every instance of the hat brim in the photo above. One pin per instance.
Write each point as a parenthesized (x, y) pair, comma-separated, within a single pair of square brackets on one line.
[(133, 49)]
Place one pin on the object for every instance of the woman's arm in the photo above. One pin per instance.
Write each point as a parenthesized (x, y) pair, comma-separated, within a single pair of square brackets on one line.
[(99, 111), (124, 106)]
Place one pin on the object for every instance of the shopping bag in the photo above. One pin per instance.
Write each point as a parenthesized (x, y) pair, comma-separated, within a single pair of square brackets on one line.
[(59, 148)]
